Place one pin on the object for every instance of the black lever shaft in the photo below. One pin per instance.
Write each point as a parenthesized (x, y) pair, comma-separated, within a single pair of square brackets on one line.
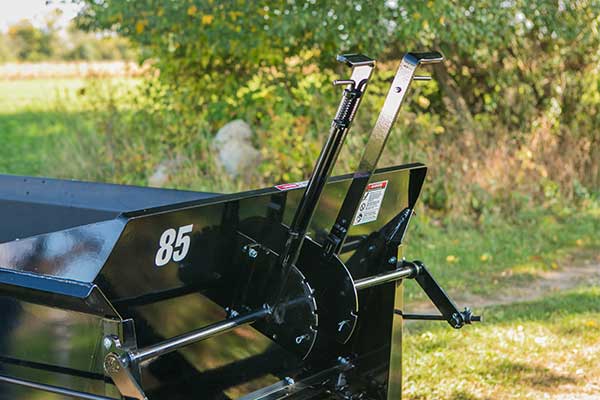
[(362, 68)]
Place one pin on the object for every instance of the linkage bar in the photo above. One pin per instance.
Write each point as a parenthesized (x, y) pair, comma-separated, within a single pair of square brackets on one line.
[(449, 312), (432, 317), (178, 342), (375, 145), (121, 364), (404, 272)]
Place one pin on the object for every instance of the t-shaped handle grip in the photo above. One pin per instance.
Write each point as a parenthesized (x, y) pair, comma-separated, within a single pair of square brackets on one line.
[(355, 60), (429, 57)]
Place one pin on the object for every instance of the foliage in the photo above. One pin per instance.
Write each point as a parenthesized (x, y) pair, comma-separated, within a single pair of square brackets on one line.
[(520, 85), (25, 42), (32, 44)]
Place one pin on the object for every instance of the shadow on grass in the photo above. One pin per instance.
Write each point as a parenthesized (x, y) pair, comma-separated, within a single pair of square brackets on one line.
[(463, 395), (529, 375), (579, 301)]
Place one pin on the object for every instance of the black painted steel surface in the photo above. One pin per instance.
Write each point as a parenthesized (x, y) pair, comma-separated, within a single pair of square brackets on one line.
[(94, 272)]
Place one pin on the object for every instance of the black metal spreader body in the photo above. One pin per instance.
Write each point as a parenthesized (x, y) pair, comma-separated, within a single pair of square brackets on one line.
[(294, 291), (85, 272)]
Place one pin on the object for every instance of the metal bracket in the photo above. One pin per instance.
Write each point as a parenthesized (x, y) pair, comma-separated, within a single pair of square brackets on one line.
[(449, 312), (117, 368)]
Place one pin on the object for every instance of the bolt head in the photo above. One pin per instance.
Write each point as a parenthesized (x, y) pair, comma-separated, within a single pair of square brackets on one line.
[(342, 360), (393, 260), (111, 364), (252, 253), (288, 380), (107, 343), (398, 89)]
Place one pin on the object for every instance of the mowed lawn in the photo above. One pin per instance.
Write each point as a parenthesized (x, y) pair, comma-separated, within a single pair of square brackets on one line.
[(545, 348), (31, 119)]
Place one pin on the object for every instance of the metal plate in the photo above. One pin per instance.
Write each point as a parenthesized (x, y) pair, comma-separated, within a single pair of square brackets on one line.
[(295, 325), (334, 291)]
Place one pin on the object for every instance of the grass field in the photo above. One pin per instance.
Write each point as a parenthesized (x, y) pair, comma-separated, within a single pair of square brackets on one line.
[(538, 346)]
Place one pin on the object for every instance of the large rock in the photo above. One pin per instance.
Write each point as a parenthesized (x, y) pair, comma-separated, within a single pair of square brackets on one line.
[(235, 151)]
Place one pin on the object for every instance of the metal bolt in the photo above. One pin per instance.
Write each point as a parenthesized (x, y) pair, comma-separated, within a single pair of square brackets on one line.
[(231, 313), (107, 343), (288, 380), (343, 360), (111, 364), (398, 89), (393, 260), (456, 321), (252, 253)]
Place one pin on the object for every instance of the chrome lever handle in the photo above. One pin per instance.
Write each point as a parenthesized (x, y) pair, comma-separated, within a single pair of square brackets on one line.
[(426, 58)]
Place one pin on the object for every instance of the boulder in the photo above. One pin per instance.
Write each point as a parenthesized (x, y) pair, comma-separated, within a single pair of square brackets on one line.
[(236, 154)]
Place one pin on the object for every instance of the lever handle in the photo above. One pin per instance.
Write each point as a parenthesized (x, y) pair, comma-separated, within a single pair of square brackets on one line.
[(355, 60), (426, 58)]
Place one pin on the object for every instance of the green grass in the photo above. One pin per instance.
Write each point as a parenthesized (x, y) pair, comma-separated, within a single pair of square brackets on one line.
[(543, 349), (32, 118), (500, 253), (37, 117)]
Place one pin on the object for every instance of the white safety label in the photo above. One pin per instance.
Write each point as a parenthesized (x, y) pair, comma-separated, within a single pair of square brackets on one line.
[(368, 210)]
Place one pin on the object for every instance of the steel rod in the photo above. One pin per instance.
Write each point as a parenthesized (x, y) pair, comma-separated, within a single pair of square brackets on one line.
[(431, 317), (380, 279), (53, 389), (170, 345), (422, 317)]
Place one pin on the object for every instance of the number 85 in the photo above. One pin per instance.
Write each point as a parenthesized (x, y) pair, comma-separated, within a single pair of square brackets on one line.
[(173, 245)]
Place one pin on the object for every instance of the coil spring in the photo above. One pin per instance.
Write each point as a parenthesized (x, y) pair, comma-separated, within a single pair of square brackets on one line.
[(346, 111)]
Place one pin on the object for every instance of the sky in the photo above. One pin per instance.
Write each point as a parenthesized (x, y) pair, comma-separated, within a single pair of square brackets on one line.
[(12, 11)]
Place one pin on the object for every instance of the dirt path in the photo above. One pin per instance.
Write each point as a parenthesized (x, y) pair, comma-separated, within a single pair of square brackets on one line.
[(581, 274)]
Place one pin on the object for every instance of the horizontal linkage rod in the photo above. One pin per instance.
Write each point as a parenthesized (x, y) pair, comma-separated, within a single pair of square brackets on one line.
[(170, 345), (405, 271)]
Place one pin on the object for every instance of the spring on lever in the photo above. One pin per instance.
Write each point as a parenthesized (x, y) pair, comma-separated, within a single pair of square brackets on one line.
[(346, 110)]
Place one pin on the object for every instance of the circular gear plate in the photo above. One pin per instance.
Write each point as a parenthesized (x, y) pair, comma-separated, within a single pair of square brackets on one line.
[(296, 323), (334, 291)]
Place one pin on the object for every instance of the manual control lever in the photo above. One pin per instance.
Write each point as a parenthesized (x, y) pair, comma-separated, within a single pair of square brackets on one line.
[(362, 68), (375, 145)]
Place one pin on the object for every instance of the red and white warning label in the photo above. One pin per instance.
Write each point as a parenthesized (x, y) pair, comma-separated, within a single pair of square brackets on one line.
[(289, 186), (368, 210)]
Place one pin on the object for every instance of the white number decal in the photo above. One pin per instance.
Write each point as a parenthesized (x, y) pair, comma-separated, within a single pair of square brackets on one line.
[(173, 245)]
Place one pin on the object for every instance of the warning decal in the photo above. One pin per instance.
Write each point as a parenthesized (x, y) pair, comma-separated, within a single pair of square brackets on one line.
[(370, 203), (289, 186)]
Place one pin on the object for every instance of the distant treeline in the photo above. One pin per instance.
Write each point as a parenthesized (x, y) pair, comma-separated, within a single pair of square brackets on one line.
[(24, 42)]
